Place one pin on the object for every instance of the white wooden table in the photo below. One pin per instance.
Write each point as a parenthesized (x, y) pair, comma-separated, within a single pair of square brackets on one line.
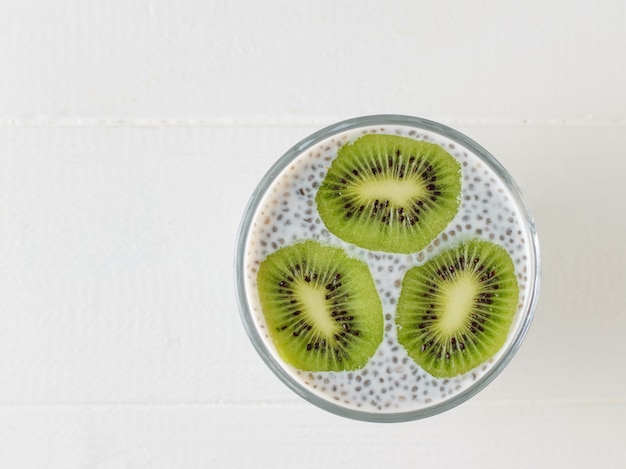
[(132, 134)]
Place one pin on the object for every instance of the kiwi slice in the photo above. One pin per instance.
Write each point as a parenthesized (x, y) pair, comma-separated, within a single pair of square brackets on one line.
[(455, 311), (390, 193), (321, 306)]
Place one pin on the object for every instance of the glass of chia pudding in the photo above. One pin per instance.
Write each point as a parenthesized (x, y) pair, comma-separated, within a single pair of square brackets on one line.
[(387, 268)]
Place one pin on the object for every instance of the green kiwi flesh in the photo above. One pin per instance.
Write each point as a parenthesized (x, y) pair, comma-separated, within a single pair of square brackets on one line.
[(455, 311), (321, 306), (390, 193)]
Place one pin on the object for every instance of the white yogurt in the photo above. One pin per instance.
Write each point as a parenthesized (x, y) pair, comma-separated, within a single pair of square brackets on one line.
[(391, 382)]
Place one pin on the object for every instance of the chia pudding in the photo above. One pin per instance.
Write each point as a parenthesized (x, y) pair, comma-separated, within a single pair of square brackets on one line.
[(391, 386)]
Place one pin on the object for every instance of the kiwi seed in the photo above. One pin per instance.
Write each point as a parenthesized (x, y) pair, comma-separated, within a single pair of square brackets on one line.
[(321, 307), (455, 311)]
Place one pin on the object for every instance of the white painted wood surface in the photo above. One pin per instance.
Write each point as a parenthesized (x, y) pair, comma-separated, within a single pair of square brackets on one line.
[(132, 134)]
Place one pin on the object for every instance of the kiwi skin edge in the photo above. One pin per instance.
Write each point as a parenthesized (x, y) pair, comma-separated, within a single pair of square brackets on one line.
[(451, 336)]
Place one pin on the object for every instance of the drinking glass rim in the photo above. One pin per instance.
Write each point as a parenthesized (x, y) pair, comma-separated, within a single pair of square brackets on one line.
[(309, 142)]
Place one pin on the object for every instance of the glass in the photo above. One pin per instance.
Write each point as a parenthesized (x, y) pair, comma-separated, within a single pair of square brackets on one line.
[(407, 392)]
